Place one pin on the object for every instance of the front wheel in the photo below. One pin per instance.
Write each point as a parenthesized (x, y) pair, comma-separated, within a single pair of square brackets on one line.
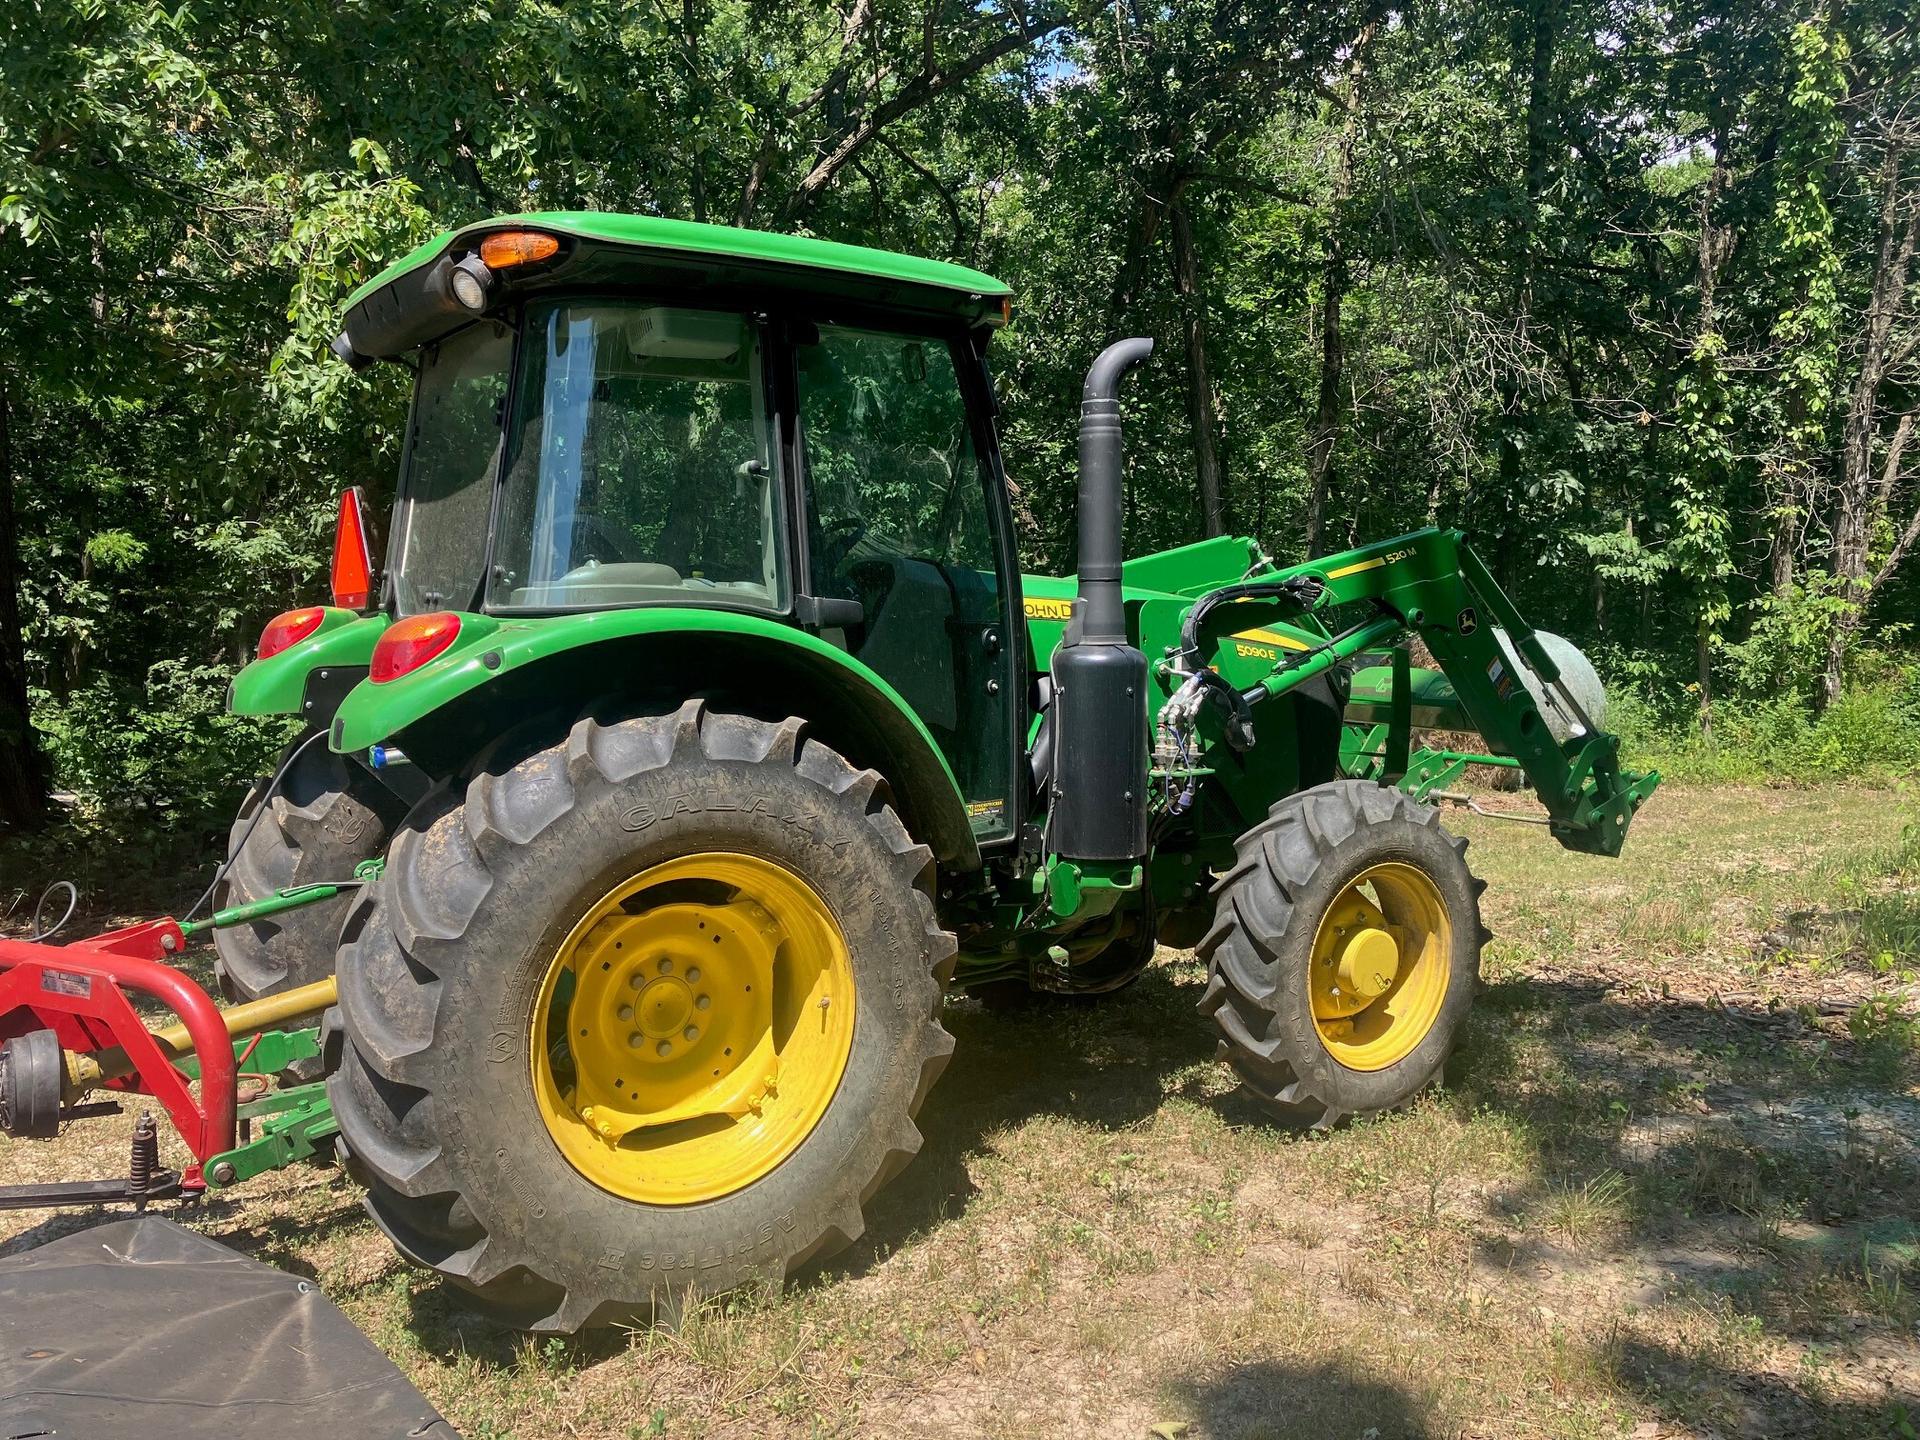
[(651, 1012), (1344, 953)]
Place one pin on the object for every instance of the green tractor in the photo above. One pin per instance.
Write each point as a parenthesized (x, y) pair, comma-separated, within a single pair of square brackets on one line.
[(709, 734)]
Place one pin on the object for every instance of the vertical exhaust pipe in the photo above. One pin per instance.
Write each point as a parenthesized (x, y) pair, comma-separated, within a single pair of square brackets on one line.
[(1102, 619), (1099, 801)]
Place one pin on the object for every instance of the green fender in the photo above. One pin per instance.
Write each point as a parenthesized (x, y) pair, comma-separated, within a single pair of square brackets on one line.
[(278, 684), (500, 671)]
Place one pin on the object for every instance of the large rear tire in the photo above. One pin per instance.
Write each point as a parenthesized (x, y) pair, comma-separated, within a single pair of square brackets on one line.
[(1344, 953), (563, 1002), (327, 816)]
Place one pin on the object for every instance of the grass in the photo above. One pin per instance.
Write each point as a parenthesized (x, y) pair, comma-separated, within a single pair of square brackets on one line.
[(1672, 1189)]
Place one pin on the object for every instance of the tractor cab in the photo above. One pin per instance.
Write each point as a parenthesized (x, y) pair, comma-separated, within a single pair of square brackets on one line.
[(608, 416)]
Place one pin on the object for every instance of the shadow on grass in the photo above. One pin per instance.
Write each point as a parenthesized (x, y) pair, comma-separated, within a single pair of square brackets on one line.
[(1106, 1063), (1268, 1400), (445, 1324), (1717, 1132), (1762, 1174), (1723, 1399), (58, 1223), (283, 1240), (1709, 1113)]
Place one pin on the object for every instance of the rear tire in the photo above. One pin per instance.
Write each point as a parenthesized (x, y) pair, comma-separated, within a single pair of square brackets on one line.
[(448, 973), (327, 816), (1297, 886)]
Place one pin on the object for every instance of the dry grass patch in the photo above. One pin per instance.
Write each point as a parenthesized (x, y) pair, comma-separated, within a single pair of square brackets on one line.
[(1673, 1183)]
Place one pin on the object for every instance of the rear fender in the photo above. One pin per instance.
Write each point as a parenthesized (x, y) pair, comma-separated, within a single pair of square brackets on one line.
[(278, 684), (510, 684)]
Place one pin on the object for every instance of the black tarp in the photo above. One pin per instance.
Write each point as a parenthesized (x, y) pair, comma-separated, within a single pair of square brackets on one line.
[(141, 1329)]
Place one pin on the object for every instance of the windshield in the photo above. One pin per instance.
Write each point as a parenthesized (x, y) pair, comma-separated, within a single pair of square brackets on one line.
[(638, 463), (446, 492)]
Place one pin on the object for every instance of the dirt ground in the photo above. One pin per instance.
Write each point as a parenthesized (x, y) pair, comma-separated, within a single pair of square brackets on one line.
[(1670, 1191)]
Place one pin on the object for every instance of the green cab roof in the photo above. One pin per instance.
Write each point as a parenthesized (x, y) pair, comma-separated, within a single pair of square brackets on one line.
[(721, 242)]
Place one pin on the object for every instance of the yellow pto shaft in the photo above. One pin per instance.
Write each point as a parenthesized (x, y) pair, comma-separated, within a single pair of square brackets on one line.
[(86, 1072)]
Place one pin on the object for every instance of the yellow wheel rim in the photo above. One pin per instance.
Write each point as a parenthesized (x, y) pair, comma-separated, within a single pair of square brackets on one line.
[(1381, 961), (692, 1028)]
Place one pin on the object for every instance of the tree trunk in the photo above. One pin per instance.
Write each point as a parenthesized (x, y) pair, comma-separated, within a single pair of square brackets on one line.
[(1143, 228), (1333, 294), (1703, 673), (690, 26), (1780, 561), (23, 785), (1326, 417), (1716, 246), (1889, 482), (1541, 42), (1200, 411), (1857, 490)]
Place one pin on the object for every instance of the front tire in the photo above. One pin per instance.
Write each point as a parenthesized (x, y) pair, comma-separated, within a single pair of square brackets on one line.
[(515, 982), (1344, 953)]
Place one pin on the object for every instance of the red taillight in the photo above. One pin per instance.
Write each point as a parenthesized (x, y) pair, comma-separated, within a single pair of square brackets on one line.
[(352, 562), (411, 643), (289, 629)]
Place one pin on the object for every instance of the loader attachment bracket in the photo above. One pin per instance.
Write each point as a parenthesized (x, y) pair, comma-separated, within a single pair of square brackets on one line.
[(1431, 583)]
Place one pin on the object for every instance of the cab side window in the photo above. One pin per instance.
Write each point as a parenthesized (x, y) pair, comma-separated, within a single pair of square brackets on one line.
[(897, 519)]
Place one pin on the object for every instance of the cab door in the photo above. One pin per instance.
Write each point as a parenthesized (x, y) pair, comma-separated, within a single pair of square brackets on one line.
[(903, 517)]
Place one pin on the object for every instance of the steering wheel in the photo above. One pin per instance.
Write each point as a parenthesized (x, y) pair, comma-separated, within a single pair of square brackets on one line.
[(838, 539), (596, 529)]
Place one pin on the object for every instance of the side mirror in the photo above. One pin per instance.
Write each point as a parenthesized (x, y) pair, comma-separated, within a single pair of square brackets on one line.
[(825, 612)]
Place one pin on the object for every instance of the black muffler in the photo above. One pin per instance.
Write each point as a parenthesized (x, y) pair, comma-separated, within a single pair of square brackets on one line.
[(1099, 802)]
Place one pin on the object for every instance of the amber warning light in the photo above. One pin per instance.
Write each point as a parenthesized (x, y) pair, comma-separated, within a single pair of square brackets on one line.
[(507, 248)]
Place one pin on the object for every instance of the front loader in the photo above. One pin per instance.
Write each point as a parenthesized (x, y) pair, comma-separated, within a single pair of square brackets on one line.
[(704, 733)]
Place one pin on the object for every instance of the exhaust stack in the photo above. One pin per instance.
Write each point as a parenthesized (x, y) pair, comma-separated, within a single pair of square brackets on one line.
[(1099, 802)]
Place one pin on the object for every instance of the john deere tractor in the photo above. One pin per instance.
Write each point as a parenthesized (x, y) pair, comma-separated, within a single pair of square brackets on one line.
[(703, 734)]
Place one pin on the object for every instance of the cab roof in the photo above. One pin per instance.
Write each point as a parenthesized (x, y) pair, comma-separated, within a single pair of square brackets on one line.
[(603, 250)]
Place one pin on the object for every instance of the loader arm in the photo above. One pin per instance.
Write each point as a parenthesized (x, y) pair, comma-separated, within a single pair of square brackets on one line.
[(1431, 583)]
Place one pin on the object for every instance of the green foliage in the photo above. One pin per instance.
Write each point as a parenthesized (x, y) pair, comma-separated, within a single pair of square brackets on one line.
[(1602, 264), (1871, 733), (1785, 645), (162, 753)]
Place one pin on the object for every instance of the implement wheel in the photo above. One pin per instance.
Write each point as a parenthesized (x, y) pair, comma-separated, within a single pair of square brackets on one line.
[(328, 815), (650, 1013), (1344, 953)]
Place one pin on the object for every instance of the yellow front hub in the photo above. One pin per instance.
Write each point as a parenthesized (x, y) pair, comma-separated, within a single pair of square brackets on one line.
[(692, 1028), (1380, 965)]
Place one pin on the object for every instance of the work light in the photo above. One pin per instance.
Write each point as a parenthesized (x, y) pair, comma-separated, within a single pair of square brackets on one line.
[(470, 282)]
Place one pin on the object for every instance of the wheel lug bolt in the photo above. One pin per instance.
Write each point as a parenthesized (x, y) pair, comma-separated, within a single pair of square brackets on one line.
[(701, 1002), (666, 1047), (633, 1040), (665, 967), (693, 974), (635, 981), (691, 1033), (626, 1012)]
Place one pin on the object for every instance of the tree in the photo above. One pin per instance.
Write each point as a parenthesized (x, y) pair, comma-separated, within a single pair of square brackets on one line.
[(1858, 499), (23, 783), (1348, 104), (1627, 290)]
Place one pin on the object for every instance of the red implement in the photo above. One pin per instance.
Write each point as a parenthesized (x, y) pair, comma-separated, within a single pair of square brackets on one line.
[(83, 993)]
